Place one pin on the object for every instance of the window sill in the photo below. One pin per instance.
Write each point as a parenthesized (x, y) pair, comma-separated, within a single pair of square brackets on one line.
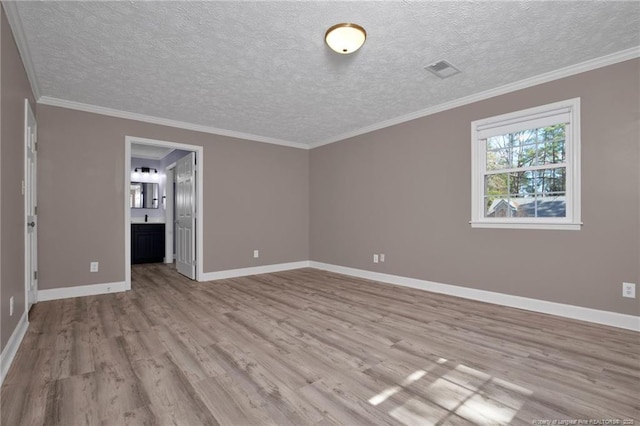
[(529, 225)]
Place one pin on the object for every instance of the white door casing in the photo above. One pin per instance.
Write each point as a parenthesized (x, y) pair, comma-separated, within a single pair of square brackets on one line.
[(185, 171), (199, 155), (30, 206), (169, 219)]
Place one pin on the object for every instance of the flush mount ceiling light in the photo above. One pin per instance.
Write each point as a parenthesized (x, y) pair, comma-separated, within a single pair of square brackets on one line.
[(345, 38)]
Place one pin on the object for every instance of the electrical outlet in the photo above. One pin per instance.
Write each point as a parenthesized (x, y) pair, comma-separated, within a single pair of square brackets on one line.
[(381, 257), (375, 258), (11, 306), (629, 290), (256, 254), (94, 267)]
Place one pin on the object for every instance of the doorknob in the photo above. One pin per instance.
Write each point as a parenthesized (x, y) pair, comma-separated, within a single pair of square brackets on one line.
[(31, 224)]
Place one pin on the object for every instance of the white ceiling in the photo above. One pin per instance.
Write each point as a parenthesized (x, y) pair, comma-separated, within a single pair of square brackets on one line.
[(149, 152), (261, 70)]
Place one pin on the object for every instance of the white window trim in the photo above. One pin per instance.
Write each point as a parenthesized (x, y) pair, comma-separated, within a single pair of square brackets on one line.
[(521, 120)]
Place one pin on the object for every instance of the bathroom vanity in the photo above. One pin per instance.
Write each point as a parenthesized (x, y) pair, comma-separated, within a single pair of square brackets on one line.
[(147, 242)]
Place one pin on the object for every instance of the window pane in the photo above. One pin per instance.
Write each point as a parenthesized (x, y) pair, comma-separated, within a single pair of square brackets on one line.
[(552, 144), (552, 205), (497, 184), (550, 180), (522, 183), (525, 205), (526, 148), (499, 142), (517, 205), (499, 159), (499, 207), (525, 156)]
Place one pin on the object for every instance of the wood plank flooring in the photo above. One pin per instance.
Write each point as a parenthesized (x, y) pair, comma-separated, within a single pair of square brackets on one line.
[(308, 347)]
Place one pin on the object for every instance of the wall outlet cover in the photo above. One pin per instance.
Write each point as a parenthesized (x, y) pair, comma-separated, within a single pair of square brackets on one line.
[(256, 254), (375, 258), (94, 267), (629, 290)]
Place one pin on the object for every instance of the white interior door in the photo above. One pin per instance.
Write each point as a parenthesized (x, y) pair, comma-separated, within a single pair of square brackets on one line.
[(185, 171), (30, 194)]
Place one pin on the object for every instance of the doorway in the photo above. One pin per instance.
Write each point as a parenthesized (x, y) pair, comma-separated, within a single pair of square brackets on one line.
[(194, 257)]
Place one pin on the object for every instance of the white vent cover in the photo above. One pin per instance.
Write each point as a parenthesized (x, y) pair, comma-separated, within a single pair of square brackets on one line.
[(442, 69)]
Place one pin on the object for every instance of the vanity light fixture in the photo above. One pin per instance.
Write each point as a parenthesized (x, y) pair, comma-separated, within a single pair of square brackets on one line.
[(345, 38), (144, 170)]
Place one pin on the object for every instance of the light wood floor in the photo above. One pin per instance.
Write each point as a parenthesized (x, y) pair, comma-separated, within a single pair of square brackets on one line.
[(308, 347)]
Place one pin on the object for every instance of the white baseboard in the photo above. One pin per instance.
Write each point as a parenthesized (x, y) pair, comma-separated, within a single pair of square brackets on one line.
[(82, 290), (9, 351), (242, 272), (614, 319)]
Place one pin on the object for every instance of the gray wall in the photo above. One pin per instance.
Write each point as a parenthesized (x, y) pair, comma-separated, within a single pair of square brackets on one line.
[(406, 191), (255, 197), (14, 88)]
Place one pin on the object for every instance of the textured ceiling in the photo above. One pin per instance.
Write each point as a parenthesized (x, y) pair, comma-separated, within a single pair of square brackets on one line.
[(262, 68)]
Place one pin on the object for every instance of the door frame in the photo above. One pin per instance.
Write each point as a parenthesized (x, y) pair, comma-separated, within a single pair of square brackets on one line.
[(169, 220), (199, 150), (28, 187)]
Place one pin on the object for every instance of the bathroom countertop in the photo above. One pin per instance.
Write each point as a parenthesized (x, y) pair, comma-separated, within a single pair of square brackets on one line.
[(151, 220)]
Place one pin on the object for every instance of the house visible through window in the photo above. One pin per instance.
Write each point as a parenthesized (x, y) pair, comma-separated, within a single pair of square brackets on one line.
[(526, 168)]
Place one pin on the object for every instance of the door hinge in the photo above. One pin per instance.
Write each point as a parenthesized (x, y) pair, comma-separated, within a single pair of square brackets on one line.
[(35, 275), (35, 210)]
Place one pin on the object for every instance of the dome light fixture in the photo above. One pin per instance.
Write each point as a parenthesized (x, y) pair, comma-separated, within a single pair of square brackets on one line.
[(345, 38)]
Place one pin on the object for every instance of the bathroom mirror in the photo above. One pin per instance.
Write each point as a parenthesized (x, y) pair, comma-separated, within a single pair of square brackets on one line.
[(144, 195)]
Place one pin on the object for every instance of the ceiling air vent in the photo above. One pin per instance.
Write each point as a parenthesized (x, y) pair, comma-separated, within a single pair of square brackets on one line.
[(442, 69)]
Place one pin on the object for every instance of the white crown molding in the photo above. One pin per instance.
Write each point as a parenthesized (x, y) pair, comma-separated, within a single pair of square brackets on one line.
[(614, 319), (589, 65), (11, 348), (81, 291), (16, 25), (13, 16), (63, 103), (243, 272)]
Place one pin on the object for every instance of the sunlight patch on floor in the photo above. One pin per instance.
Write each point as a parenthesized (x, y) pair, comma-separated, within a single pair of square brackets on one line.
[(382, 396), (448, 394), (415, 376), (482, 410), (418, 413), (462, 392)]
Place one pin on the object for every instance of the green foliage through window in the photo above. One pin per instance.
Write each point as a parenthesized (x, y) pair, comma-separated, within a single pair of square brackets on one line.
[(525, 170)]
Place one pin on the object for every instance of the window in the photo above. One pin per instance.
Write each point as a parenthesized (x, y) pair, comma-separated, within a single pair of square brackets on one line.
[(526, 168)]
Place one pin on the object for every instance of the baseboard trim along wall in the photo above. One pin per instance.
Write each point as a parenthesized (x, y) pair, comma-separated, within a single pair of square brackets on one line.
[(614, 319), (254, 270), (82, 290), (9, 352)]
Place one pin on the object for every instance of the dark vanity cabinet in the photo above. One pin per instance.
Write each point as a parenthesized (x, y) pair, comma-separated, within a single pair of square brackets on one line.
[(147, 242)]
